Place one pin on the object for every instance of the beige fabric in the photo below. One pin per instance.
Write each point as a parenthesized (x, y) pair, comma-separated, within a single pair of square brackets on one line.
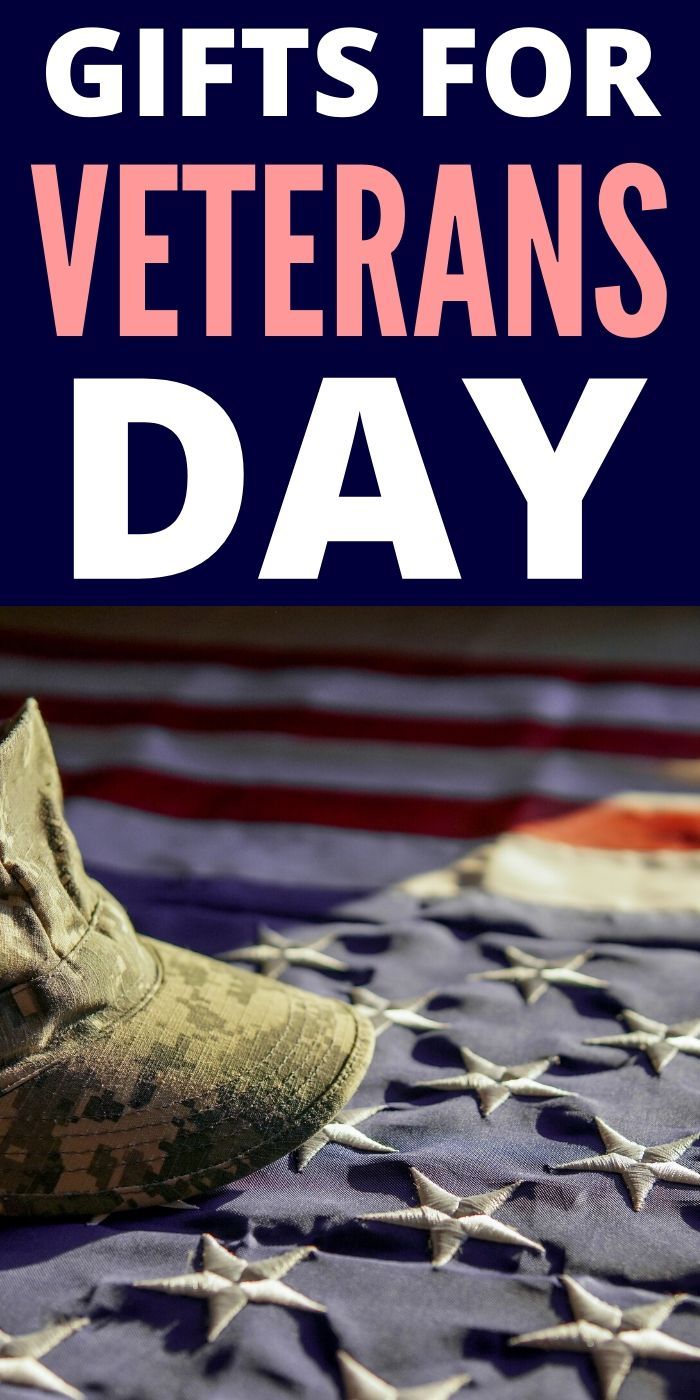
[(524, 867), (529, 867)]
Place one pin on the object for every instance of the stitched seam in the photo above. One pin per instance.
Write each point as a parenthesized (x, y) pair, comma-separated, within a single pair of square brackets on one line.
[(42, 977), (362, 1034)]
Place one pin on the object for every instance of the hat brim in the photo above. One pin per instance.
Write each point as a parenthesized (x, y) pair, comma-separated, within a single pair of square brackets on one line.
[(219, 1073)]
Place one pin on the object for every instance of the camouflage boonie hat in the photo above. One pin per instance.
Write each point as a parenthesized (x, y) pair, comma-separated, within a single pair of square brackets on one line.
[(133, 1073)]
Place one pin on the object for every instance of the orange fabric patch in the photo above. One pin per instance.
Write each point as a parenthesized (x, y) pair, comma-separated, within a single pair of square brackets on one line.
[(605, 826)]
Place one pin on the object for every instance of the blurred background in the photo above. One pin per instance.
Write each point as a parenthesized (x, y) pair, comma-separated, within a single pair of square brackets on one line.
[(343, 749), (652, 635)]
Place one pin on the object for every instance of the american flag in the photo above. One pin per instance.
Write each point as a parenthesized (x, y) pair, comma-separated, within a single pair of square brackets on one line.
[(503, 857)]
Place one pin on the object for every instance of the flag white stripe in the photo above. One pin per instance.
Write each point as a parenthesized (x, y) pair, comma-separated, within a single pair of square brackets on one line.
[(422, 769), (362, 692)]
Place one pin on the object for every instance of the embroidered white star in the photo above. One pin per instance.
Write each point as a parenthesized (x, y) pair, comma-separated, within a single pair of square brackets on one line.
[(451, 1220), (384, 1013), (342, 1129), (659, 1043), (227, 1284), (534, 975), (361, 1384), (19, 1357), (275, 953), (640, 1167), (612, 1337), (493, 1083)]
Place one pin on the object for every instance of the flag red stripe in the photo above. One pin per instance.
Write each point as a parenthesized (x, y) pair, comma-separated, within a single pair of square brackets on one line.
[(171, 796), (70, 648), (331, 724)]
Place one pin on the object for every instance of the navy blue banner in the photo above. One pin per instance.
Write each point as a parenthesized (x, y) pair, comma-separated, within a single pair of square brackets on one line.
[(526, 236)]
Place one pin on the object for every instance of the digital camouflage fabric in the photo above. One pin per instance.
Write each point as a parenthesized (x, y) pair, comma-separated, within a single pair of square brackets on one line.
[(131, 1072)]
